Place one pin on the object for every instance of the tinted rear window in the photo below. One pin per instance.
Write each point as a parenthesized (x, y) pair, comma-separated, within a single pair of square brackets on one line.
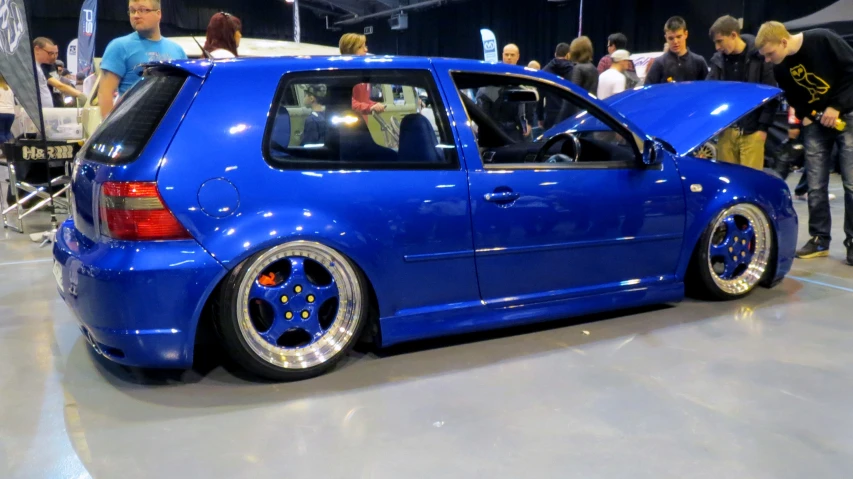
[(135, 118)]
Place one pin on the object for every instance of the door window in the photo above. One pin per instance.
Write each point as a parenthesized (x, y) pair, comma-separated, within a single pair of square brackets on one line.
[(521, 123)]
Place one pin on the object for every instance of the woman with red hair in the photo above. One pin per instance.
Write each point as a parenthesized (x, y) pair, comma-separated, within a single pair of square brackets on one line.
[(223, 35)]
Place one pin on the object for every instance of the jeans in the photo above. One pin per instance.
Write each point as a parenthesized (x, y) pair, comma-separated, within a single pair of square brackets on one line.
[(6, 122), (790, 154), (803, 186), (735, 147), (819, 141)]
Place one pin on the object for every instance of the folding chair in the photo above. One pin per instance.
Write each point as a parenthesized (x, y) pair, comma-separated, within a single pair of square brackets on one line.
[(40, 180)]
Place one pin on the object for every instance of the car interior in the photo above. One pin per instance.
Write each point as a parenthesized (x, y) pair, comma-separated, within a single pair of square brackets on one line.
[(346, 135), (581, 138)]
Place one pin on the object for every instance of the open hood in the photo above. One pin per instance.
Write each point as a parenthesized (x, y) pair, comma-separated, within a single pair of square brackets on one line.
[(686, 115)]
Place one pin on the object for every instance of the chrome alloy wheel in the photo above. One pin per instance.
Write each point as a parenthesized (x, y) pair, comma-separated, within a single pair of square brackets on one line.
[(707, 151), (739, 249), (297, 305)]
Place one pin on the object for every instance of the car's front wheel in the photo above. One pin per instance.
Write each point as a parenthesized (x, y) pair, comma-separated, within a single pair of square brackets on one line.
[(293, 311), (707, 151), (734, 253)]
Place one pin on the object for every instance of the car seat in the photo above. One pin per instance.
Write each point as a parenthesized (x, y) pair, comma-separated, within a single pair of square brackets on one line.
[(280, 133), (347, 132), (418, 143)]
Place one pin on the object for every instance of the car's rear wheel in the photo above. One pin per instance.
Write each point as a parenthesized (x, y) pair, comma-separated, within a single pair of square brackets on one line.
[(735, 252), (292, 312)]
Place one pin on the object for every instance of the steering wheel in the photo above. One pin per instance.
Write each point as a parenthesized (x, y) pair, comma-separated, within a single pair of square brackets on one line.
[(540, 156)]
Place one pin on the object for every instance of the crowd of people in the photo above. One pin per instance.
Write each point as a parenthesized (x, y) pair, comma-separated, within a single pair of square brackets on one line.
[(813, 68), (122, 55)]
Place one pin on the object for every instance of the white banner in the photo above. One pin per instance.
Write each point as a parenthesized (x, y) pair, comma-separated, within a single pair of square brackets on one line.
[(490, 45), (71, 57)]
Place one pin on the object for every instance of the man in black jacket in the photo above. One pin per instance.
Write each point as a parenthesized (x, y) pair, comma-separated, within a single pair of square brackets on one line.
[(738, 59), (815, 69), (562, 67), (679, 63)]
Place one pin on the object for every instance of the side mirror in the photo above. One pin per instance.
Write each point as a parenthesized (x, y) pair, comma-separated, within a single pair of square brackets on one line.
[(651, 153), (520, 95)]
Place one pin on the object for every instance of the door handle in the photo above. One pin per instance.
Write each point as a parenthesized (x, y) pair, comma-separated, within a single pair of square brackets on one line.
[(502, 196)]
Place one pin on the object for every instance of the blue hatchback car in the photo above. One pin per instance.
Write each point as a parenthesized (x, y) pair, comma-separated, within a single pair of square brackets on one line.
[(300, 204)]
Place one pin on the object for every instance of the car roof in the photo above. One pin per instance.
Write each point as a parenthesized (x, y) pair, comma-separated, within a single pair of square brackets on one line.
[(322, 62)]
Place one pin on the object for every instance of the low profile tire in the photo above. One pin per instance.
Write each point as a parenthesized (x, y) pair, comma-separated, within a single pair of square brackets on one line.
[(734, 253), (292, 312)]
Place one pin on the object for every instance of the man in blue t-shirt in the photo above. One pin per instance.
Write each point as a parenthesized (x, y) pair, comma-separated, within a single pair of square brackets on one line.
[(125, 53)]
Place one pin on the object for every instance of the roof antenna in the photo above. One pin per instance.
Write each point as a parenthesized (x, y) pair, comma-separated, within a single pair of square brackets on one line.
[(203, 51)]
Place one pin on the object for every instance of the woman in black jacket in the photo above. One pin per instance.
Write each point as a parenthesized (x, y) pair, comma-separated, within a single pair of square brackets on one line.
[(585, 74)]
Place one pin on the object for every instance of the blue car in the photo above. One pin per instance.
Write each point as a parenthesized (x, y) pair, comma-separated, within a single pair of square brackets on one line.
[(420, 206)]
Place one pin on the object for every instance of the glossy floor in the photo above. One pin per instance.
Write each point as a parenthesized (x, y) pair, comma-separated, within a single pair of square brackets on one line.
[(759, 388)]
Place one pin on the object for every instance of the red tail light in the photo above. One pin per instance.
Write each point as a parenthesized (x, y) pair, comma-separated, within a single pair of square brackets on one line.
[(135, 211)]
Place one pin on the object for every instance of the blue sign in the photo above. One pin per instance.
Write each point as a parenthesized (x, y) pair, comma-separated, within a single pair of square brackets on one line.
[(86, 37)]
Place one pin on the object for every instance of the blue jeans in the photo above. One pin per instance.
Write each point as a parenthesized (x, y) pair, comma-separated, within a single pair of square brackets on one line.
[(819, 141), (6, 122)]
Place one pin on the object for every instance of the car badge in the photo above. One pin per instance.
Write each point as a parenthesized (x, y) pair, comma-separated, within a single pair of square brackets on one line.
[(696, 188)]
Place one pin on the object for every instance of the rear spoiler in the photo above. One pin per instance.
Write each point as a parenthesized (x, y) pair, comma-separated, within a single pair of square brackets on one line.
[(196, 68)]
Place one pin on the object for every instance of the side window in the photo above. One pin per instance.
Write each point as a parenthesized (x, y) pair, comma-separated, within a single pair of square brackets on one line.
[(519, 121), (360, 118)]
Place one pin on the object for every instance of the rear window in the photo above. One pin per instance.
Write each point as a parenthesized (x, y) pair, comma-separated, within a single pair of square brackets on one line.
[(129, 127)]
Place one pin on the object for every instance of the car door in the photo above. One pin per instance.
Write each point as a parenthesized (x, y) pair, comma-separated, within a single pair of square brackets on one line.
[(551, 230)]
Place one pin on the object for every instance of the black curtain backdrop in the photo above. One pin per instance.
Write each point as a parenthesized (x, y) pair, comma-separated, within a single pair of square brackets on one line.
[(452, 30), (536, 26)]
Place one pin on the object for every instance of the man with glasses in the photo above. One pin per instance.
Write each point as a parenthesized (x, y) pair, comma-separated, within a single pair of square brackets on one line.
[(46, 53), (616, 41), (123, 54)]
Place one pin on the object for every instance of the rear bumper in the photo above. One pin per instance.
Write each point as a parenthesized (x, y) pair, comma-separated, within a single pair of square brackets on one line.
[(138, 303)]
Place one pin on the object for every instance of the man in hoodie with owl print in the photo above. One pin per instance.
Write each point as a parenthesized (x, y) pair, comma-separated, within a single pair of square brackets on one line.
[(815, 69)]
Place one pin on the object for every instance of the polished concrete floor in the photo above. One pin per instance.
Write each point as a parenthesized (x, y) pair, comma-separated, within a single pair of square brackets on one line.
[(759, 388)]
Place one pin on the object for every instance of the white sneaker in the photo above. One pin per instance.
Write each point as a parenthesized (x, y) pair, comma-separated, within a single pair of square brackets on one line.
[(805, 197)]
